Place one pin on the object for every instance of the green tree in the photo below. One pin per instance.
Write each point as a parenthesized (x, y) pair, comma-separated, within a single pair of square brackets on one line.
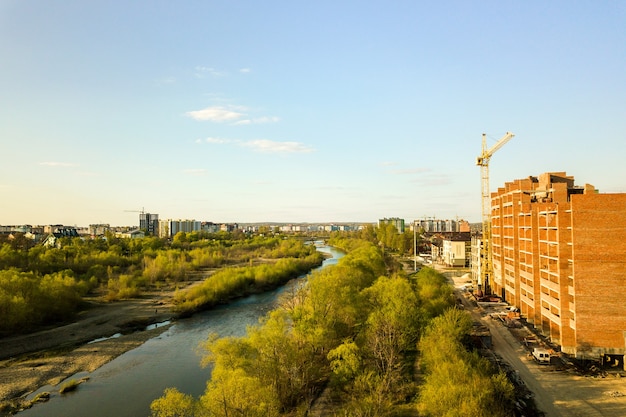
[(174, 404), (232, 393)]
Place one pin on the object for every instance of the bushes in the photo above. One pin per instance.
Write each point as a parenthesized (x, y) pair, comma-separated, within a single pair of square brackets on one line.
[(235, 282), (28, 299), (40, 285), (459, 382)]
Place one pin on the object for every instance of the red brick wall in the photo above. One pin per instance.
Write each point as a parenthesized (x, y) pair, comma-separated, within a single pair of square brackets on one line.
[(599, 255)]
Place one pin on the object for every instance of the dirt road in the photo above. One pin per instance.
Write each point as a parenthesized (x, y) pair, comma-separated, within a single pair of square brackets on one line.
[(558, 391)]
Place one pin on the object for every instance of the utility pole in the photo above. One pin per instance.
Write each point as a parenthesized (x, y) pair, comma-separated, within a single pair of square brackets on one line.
[(414, 246)]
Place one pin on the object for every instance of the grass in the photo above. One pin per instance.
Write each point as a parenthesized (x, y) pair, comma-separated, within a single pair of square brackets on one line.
[(69, 386)]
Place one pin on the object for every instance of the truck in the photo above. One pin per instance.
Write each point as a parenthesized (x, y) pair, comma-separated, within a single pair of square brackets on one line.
[(541, 355)]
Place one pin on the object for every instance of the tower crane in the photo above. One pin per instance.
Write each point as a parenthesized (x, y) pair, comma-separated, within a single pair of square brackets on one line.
[(142, 211), (486, 258)]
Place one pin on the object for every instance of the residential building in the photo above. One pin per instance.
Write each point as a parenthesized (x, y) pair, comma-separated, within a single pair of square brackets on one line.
[(434, 225), (397, 222), (57, 233), (456, 249), (558, 255), (476, 264), (96, 230), (132, 234), (149, 223), (169, 228)]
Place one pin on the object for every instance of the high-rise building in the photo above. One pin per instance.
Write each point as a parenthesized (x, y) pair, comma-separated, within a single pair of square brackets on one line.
[(149, 223), (397, 222), (169, 228), (558, 255)]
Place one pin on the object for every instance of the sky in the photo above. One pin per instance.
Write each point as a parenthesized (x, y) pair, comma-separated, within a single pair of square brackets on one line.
[(293, 111)]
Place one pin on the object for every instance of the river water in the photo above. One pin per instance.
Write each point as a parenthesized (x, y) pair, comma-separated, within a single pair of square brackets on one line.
[(127, 385)]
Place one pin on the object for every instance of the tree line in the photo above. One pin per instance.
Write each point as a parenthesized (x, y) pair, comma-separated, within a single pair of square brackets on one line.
[(371, 340), (44, 285)]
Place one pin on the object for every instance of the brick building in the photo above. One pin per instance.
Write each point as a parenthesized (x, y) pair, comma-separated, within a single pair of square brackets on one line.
[(559, 253)]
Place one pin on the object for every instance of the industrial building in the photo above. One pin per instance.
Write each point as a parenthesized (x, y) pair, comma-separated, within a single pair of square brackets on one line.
[(559, 255)]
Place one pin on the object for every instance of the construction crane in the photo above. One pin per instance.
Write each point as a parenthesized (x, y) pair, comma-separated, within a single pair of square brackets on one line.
[(135, 211), (486, 258)]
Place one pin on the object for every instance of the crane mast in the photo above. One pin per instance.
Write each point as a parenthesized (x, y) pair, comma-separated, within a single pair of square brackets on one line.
[(486, 254)]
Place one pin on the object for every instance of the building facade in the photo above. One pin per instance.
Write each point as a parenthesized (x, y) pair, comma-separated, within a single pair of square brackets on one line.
[(558, 255), (169, 228), (397, 222), (456, 249), (149, 223)]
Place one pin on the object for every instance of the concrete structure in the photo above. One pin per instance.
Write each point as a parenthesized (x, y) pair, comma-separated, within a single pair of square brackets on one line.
[(397, 222), (98, 229), (149, 223), (475, 263), (456, 249), (131, 234), (169, 228), (434, 225), (559, 252)]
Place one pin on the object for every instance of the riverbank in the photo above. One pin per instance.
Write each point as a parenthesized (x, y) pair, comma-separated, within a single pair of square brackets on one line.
[(46, 358)]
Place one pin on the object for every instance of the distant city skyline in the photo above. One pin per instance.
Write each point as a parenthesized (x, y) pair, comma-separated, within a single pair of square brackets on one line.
[(300, 112)]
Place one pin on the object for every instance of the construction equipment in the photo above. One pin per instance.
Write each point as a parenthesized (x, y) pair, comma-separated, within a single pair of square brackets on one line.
[(142, 211), (486, 267)]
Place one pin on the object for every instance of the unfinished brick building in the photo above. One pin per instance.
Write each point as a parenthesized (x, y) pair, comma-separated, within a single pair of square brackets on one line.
[(559, 253)]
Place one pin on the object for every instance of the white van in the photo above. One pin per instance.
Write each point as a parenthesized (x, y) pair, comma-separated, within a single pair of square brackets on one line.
[(541, 355)]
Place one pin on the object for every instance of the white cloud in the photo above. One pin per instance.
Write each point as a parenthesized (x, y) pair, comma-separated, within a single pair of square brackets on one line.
[(166, 81), (433, 180), (218, 113), (261, 145), (411, 171), (258, 120), (270, 146), (214, 140), (245, 70), (195, 171), (201, 72), (57, 164)]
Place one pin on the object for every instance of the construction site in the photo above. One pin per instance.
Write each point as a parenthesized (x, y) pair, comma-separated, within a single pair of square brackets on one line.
[(554, 252)]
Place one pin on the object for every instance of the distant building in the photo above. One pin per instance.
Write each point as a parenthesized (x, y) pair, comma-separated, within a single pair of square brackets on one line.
[(57, 233), (434, 225), (210, 227), (397, 222), (169, 228), (476, 255), (149, 222), (558, 255), (96, 230), (456, 249), (132, 234)]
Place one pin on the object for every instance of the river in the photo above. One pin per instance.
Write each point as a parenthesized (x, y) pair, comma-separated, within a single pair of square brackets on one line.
[(127, 385)]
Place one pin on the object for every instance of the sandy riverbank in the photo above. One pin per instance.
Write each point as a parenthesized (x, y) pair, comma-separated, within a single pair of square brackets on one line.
[(30, 362)]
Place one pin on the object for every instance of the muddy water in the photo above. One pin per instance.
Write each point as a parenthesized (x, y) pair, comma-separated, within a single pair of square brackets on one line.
[(127, 385)]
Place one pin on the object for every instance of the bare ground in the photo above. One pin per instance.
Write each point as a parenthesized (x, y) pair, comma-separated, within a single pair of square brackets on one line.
[(562, 390), (29, 362)]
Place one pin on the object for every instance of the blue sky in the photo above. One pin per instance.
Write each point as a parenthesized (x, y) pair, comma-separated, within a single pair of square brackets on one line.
[(290, 111)]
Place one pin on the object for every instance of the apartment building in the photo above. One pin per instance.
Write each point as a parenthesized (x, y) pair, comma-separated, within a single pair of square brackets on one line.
[(169, 228), (559, 252), (397, 222), (149, 222), (456, 249)]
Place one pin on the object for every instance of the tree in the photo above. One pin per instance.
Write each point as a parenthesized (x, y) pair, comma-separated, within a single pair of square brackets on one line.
[(174, 404), (392, 325), (234, 393), (459, 382)]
